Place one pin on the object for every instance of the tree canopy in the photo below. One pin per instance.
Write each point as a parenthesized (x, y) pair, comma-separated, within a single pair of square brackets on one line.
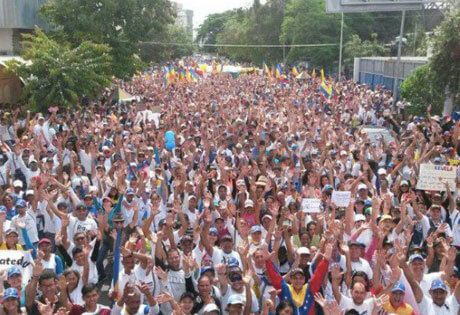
[(57, 74), (119, 24)]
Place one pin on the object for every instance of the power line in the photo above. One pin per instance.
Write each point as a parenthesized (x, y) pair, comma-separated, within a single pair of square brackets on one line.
[(240, 45)]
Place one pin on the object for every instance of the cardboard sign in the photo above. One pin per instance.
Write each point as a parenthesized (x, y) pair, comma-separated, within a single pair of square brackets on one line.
[(431, 177), (341, 198), (21, 259), (311, 205), (374, 134)]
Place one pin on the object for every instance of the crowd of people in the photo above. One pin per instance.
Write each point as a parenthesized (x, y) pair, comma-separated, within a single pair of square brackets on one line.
[(211, 220)]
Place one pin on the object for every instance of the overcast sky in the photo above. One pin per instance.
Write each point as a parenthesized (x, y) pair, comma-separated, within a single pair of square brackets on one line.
[(202, 8)]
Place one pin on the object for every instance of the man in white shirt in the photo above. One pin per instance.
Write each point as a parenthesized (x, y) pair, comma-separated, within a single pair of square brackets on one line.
[(358, 299)]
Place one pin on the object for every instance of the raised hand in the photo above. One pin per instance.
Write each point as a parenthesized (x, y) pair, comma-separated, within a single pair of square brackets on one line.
[(160, 273), (45, 309), (164, 297)]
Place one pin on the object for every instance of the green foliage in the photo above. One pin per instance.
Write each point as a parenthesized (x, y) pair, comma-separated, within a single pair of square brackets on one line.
[(57, 74), (157, 53), (211, 27), (419, 89), (121, 24), (355, 47), (445, 61), (260, 24), (306, 22)]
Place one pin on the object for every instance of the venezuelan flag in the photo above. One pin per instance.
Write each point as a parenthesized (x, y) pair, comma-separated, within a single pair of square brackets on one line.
[(267, 70), (220, 68), (116, 264), (194, 75), (188, 76), (295, 72), (181, 74), (326, 90), (323, 78), (278, 71)]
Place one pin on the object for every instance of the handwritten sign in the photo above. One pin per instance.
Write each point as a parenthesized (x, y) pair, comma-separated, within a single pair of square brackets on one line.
[(431, 177), (341, 198), (311, 205)]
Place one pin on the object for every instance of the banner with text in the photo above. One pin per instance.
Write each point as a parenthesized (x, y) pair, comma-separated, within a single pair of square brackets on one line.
[(431, 177), (21, 259)]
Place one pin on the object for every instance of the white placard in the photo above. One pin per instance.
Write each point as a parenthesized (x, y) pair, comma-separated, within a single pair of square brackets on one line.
[(341, 198), (311, 205), (431, 175), (21, 259)]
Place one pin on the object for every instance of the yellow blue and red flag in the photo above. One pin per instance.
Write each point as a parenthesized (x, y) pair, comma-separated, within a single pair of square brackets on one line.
[(278, 71), (323, 77), (295, 72), (326, 90)]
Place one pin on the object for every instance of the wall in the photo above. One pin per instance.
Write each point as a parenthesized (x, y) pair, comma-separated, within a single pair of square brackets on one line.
[(6, 41)]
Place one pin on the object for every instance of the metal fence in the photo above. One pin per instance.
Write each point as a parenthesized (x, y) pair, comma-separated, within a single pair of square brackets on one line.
[(375, 71)]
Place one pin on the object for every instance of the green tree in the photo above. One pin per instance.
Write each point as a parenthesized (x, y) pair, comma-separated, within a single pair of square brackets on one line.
[(58, 75), (419, 89), (212, 26), (121, 24), (355, 47), (306, 22), (258, 25), (156, 53), (445, 61)]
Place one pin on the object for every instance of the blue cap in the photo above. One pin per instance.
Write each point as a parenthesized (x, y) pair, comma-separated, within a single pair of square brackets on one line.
[(367, 203), (333, 152), (416, 256), (3, 209), (255, 229), (206, 269), (294, 146), (327, 187), (21, 203), (10, 293), (213, 230), (233, 262), (14, 271), (398, 286), (391, 164), (130, 191), (235, 299), (438, 284)]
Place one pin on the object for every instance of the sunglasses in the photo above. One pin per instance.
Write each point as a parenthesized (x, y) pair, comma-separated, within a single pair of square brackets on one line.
[(236, 278)]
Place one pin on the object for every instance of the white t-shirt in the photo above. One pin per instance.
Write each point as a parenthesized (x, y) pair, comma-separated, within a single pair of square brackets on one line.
[(361, 265), (427, 307), (366, 308), (428, 278), (455, 217), (86, 161), (242, 295), (30, 220), (93, 275), (75, 225)]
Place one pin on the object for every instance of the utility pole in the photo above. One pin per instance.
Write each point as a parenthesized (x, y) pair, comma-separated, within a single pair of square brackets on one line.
[(397, 71), (340, 54)]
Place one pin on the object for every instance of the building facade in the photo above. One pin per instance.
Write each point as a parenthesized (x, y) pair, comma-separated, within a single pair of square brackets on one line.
[(16, 18), (184, 18)]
